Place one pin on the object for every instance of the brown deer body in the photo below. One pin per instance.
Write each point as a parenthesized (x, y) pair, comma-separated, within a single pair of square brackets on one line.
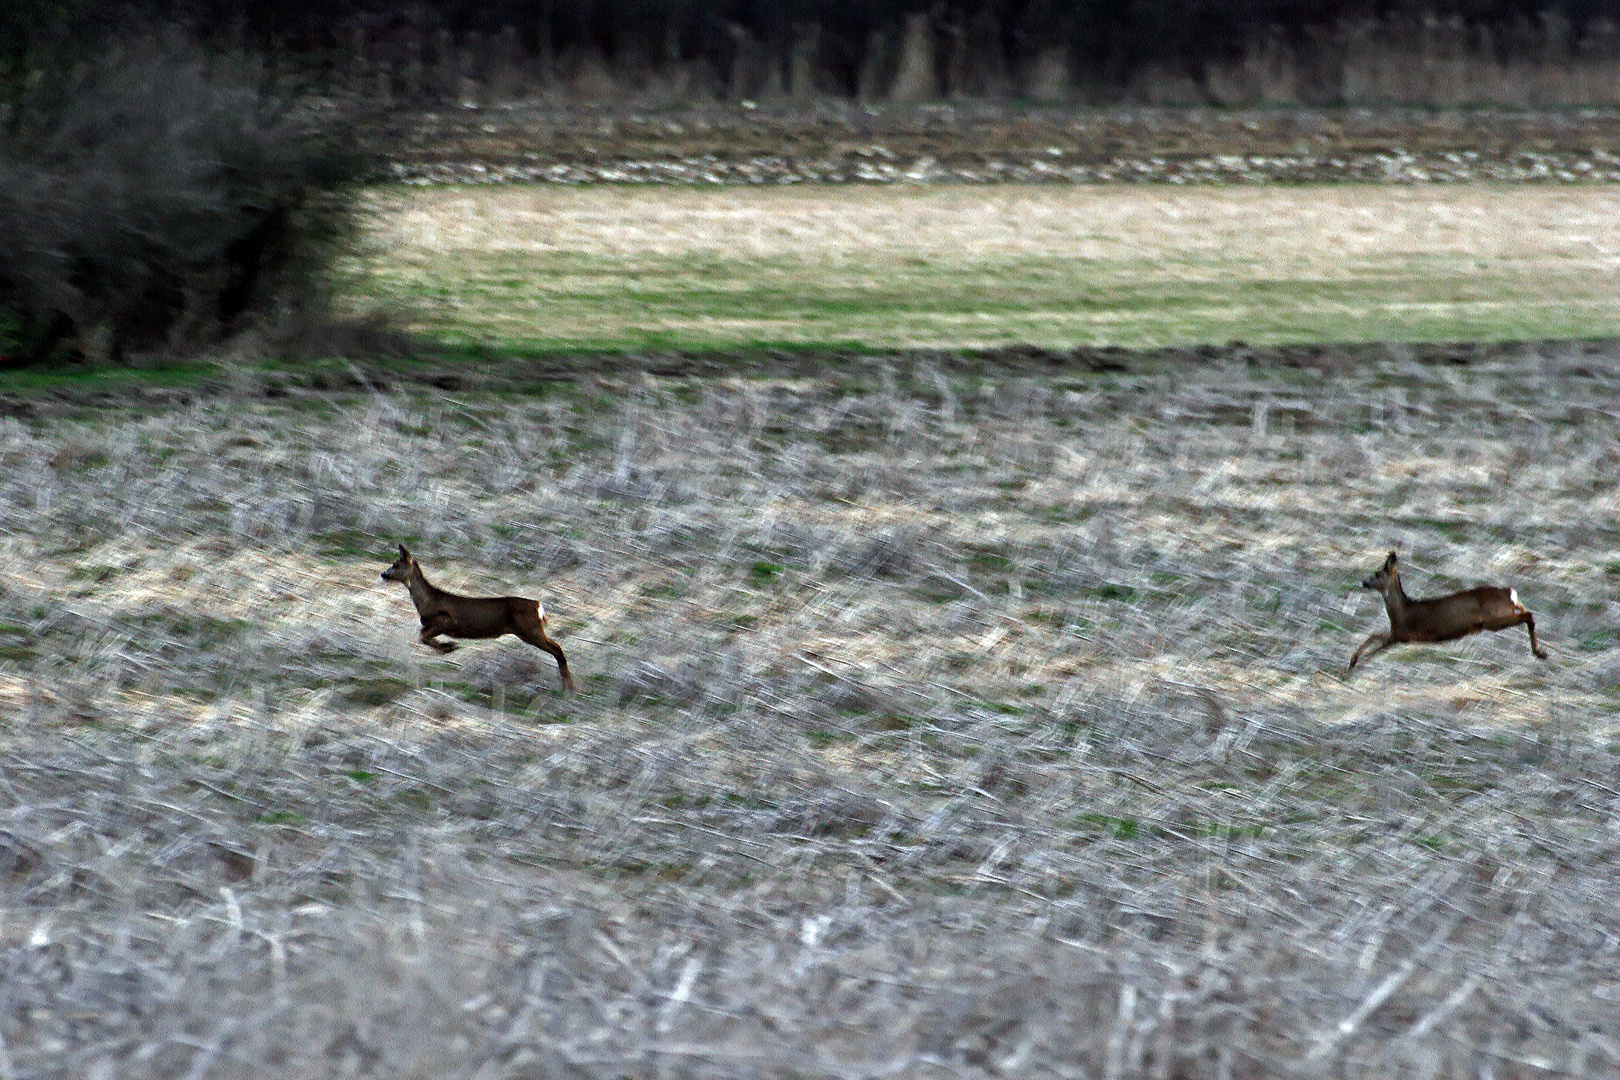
[(473, 617), (1442, 618)]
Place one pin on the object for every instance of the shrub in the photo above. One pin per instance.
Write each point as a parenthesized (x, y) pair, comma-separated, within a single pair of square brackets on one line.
[(159, 197)]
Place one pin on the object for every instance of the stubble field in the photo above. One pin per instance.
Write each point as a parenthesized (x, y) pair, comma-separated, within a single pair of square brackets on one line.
[(934, 724)]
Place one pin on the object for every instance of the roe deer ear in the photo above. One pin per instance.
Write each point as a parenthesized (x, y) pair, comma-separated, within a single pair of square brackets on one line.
[(403, 553), (1389, 562)]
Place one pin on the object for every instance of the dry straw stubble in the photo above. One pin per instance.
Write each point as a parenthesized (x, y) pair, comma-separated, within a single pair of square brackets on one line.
[(930, 734)]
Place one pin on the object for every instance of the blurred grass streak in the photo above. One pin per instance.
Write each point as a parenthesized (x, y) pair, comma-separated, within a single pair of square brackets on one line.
[(534, 268), (937, 724)]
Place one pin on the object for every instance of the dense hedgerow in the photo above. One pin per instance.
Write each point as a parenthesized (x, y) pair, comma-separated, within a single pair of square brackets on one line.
[(159, 197)]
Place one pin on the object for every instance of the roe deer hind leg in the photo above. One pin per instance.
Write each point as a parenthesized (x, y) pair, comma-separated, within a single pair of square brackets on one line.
[(535, 634), (1529, 621)]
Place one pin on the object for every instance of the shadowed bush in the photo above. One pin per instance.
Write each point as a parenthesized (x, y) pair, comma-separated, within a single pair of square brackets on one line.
[(158, 198)]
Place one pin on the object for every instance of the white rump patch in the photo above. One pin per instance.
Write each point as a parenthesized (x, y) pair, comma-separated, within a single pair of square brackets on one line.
[(1513, 595)]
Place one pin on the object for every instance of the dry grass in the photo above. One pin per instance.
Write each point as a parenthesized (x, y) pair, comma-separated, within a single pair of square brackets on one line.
[(934, 726), (536, 267)]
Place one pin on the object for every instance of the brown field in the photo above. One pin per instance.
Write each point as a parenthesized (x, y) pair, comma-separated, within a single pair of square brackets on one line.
[(980, 142), (933, 726)]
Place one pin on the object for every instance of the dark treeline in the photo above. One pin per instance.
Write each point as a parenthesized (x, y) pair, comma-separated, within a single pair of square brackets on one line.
[(165, 182), (1222, 51)]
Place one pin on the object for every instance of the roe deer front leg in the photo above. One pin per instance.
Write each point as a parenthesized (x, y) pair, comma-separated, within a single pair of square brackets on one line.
[(442, 623), (1379, 641)]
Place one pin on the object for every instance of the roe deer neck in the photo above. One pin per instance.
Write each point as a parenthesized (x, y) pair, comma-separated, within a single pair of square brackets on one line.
[(422, 590), (1395, 601)]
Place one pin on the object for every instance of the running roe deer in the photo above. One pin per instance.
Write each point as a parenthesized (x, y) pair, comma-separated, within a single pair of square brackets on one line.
[(1442, 618), (473, 616)]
